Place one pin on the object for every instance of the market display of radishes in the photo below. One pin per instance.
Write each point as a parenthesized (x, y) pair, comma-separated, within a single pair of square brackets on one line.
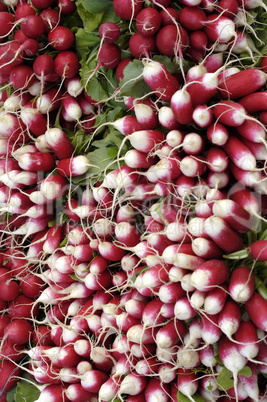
[(133, 199)]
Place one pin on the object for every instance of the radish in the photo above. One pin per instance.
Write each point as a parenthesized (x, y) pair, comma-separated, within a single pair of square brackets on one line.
[(225, 237), (252, 79), (141, 45), (209, 274), (18, 332), (59, 143), (171, 334), (7, 21), (32, 26), (172, 40), (217, 133), (229, 318), (215, 300), (241, 284), (36, 161), (256, 308), (146, 115), (219, 28), (181, 106), (210, 330), (128, 10), (237, 217), (146, 140), (74, 166), (257, 250), (9, 374), (132, 384), (61, 38), (156, 390), (231, 358), (193, 166), (161, 82), (247, 340), (230, 113), (66, 64), (21, 77), (148, 21), (192, 18), (187, 382)]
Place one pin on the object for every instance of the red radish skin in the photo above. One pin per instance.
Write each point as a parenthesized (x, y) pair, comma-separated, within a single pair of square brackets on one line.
[(109, 55), (209, 274), (258, 250), (237, 217), (241, 284), (182, 107), (155, 389), (229, 318), (169, 16), (192, 18), (161, 82), (225, 237), (247, 340), (9, 373), (172, 40), (66, 64), (132, 384), (256, 307), (171, 334), (32, 26), (109, 32), (218, 134), (254, 102), (231, 357), (127, 10), (146, 115), (148, 21), (61, 38), (251, 79), (187, 382), (230, 113), (210, 330)]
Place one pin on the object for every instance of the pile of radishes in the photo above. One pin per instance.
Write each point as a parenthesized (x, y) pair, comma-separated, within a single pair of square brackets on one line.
[(145, 282)]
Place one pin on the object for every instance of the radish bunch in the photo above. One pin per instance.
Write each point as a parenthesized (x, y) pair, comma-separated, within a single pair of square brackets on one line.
[(133, 227)]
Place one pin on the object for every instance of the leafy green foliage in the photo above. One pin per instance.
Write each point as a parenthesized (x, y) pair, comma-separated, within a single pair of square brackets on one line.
[(84, 41), (225, 380), (25, 390), (132, 83), (96, 7), (182, 398)]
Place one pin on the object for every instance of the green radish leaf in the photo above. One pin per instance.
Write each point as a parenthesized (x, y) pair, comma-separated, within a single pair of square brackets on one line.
[(84, 41), (224, 380), (246, 372), (237, 255), (171, 65), (73, 276), (260, 287), (182, 398), (95, 88), (26, 391), (133, 278), (95, 7), (132, 83), (90, 20), (64, 242), (10, 395), (158, 210)]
